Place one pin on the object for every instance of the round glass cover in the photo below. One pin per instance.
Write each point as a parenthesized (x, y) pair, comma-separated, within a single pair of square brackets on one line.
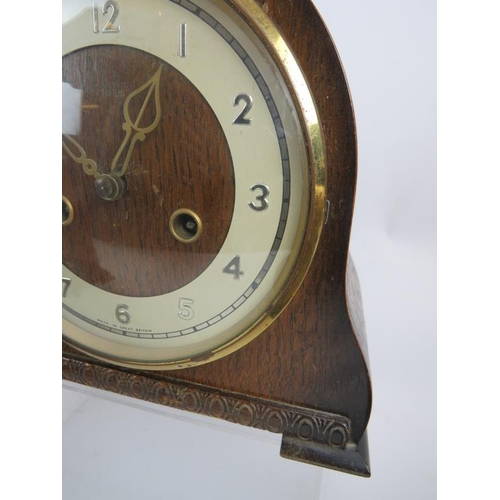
[(193, 183)]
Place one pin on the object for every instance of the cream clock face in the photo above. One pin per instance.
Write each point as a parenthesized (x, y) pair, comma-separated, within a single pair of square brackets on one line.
[(193, 188)]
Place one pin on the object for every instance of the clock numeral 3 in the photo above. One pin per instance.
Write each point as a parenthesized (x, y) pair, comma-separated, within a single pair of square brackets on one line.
[(261, 199), (113, 8)]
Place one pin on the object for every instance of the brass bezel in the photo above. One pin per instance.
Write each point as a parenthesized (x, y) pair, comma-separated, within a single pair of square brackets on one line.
[(260, 23)]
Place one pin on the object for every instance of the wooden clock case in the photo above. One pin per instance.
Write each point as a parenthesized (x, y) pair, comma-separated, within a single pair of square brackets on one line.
[(307, 375)]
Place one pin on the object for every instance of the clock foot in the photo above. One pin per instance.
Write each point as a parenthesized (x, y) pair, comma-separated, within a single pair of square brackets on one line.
[(352, 458), (316, 437)]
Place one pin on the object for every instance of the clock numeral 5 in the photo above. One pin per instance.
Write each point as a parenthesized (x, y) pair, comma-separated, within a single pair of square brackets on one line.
[(186, 308), (113, 8)]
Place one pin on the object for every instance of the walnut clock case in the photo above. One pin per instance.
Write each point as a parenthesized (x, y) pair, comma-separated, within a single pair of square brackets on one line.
[(209, 168)]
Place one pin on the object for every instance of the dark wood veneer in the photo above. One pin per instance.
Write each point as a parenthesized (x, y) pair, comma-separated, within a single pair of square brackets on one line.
[(125, 246)]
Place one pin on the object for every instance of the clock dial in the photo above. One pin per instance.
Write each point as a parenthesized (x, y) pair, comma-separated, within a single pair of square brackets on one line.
[(193, 184), (131, 250)]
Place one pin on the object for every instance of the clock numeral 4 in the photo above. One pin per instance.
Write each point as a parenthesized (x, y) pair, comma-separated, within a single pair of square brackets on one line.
[(113, 8), (234, 268)]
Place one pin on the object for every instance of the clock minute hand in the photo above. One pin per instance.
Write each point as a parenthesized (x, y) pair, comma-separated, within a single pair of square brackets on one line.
[(133, 131)]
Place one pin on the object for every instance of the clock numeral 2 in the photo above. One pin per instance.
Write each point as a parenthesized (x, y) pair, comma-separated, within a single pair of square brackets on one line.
[(113, 8), (234, 268), (242, 119)]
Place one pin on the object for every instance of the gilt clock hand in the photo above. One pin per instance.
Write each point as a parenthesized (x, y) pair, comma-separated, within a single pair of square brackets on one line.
[(133, 131), (108, 187), (111, 186), (89, 166)]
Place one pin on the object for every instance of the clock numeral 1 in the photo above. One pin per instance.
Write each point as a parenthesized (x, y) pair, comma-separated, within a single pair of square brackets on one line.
[(113, 8), (182, 39), (234, 268), (122, 314), (186, 308), (66, 282)]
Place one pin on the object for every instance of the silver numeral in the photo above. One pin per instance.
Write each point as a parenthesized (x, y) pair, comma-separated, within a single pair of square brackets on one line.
[(242, 119), (261, 202), (122, 314), (234, 268), (66, 282), (95, 17), (183, 40), (113, 8), (186, 308)]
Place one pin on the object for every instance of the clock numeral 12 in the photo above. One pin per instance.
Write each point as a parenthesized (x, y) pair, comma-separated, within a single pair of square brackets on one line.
[(113, 8)]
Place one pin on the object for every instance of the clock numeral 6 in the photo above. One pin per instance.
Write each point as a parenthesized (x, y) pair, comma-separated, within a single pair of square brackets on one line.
[(186, 308), (122, 314)]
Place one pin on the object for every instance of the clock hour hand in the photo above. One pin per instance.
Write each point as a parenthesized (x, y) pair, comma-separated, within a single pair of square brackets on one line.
[(108, 187), (133, 130), (89, 166)]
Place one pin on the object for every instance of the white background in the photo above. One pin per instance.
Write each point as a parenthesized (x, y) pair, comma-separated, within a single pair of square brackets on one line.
[(115, 450), (388, 49)]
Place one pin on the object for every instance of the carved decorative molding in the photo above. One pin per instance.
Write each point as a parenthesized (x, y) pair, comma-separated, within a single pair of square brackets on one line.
[(301, 423)]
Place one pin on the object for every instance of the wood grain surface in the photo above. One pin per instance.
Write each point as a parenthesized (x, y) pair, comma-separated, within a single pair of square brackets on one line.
[(125, 246)]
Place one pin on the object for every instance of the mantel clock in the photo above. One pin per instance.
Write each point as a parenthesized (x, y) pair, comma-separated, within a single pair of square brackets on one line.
[(209, 165)]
